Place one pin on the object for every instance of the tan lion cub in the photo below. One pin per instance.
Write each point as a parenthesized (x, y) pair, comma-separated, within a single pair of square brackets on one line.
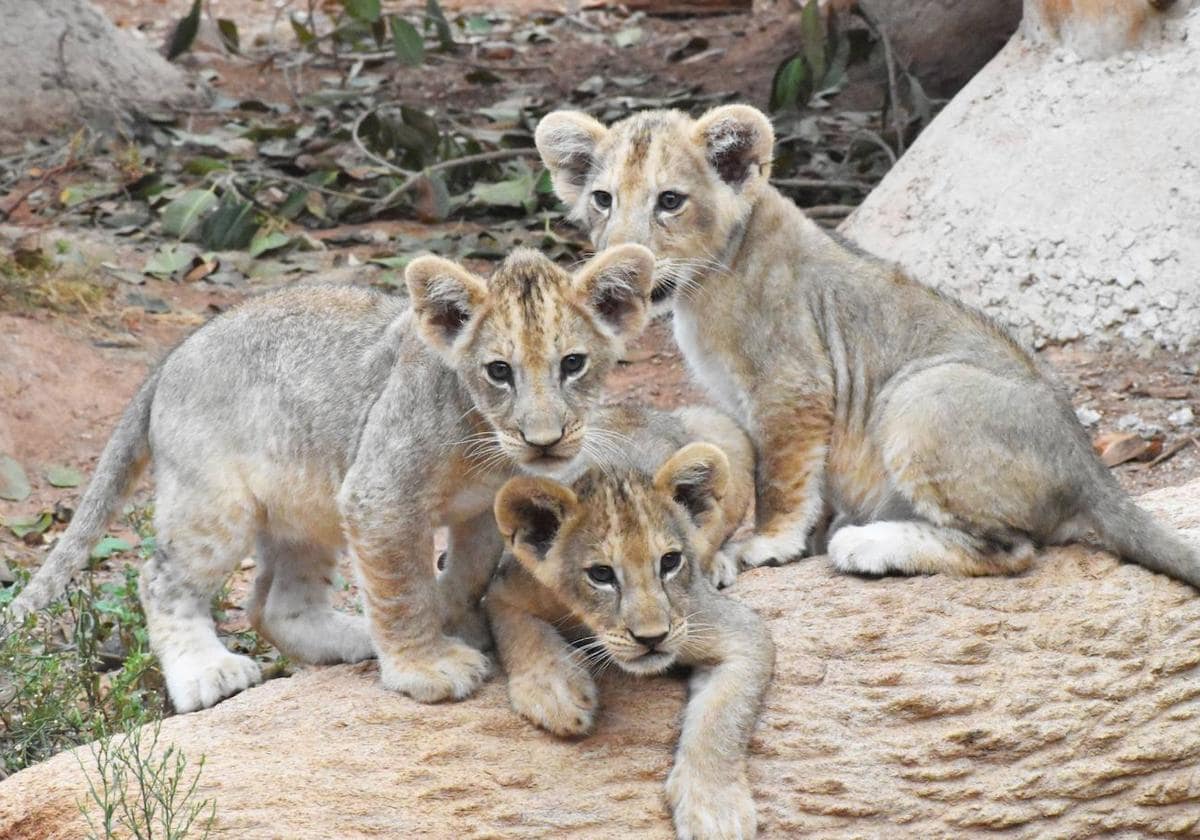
[(932, 439), (323, 419), (621, 555)]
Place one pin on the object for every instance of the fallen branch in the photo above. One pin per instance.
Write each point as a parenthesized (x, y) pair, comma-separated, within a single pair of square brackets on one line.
[(415, 177)]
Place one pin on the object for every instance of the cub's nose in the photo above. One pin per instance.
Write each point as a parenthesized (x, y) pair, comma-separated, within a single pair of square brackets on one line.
[(650, 642), (542, 438)]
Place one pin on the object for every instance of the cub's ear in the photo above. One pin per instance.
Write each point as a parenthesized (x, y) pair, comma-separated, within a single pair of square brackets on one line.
[(567, 141), (529, 513), (696, 478), (738, 141), (615, 285), (445, 297)]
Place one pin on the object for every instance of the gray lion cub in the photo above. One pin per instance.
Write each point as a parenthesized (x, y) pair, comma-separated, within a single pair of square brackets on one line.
[(934, 440), (617, 561), (323, 419)]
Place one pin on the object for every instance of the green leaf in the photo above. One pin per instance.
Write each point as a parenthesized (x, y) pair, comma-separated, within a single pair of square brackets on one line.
[(231, 227), (79, 193), (812, 40), (391, 262), (185, 33), (478, 25), (39, 523), (366, 11), (181, 218), (61, 476), (109, 546), (407, 43), (14, 484), (264, 242), (303, 34), (515, 192), (167, 261), (229, 35), (434, 15), (791, 79)]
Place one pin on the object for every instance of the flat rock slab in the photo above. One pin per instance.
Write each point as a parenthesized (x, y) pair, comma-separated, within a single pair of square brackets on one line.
[(1062, 703)]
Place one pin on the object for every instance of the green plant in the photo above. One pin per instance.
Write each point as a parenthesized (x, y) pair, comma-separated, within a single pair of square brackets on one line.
[(818, 68), (148, 796), (74, 672)]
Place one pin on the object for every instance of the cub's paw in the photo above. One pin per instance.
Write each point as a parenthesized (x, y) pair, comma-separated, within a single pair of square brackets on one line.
[(708, 808), (562, 702), (197, 682), (724, 569), (866, 550), (757, 551), (447, 670)]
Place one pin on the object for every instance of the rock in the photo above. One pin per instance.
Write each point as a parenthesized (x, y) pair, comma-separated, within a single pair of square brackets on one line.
[(1182, 418), (1087, 416), (1064, 702), (1133, 423), (987, 204)]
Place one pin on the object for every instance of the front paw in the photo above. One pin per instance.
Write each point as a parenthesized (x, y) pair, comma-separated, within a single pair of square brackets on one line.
[(562, 702), (723, 569), (757, 551), (447, 670), (708, 807)]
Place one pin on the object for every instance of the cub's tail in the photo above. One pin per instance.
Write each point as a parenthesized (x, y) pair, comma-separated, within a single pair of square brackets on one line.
[(120, 464), (1133, 534)]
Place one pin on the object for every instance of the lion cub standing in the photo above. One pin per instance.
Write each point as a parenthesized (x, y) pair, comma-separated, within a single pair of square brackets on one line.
[(622, 556), (932, 439), (323, 419)]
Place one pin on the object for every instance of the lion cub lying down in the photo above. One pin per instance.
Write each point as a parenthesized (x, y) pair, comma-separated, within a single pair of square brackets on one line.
[(616, 561)]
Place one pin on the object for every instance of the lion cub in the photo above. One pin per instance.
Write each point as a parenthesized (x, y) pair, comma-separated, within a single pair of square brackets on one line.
[(931, 438), (616, 561), (323, 419)]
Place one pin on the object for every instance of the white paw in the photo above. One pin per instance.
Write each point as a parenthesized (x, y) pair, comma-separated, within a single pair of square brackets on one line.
[(198, 681), (708, 808), (353, 640), (861, 550), (756, 551), (724, 569), (448, 670), (562, 702)]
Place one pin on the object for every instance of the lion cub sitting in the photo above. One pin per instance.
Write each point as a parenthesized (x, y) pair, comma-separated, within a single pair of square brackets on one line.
[(621, 555)]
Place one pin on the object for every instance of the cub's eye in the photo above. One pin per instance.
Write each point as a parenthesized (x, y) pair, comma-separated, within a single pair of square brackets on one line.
[(602, 199), (573, 363), (601, 574), (669, 562), (670, 200), (499, 372)]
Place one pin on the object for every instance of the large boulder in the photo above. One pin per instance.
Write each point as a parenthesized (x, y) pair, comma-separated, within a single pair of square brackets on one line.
[(1060, 189), (1062, 703), (64, 63)]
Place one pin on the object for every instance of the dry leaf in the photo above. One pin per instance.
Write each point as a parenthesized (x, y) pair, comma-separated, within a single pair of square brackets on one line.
[(1119, 447)]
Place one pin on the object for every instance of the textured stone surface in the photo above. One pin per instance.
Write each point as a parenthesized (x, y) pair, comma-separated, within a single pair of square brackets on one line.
[(1063, 703), (64, 62), (1061, 195)]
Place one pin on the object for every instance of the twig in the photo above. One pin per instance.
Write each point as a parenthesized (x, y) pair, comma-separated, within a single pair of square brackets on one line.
[(829, 211), (889, 60), (415, 177), (819, 184), (1173, 449)]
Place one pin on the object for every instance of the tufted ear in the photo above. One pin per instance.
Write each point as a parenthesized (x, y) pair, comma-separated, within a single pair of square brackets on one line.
[(738, 142), (445, 297), (567, 140), (616, 286), (530, 513), (696, 478)]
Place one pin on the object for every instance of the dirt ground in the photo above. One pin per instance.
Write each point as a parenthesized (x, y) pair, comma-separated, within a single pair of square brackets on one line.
[(66, 376)]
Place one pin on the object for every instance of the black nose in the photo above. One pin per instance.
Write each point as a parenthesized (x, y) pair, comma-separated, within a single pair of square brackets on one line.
[(650, 642)]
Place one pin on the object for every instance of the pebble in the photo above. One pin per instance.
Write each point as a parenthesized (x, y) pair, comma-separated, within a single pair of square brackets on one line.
[(1183, 417), (1087, 416)]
